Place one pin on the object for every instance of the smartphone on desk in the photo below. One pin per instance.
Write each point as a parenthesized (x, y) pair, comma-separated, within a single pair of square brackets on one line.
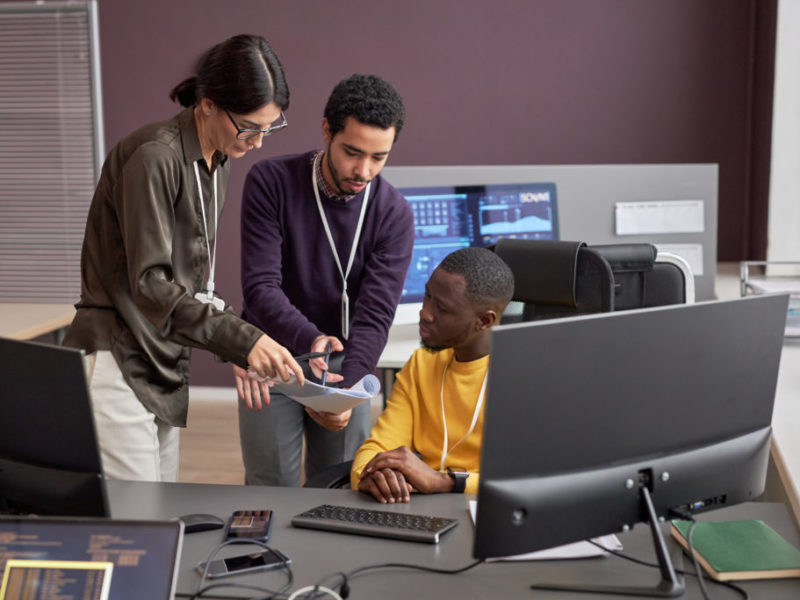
[(249, 525), (245, 563)]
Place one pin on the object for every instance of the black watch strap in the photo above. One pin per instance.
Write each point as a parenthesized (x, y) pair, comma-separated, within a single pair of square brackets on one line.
[(459, 480)]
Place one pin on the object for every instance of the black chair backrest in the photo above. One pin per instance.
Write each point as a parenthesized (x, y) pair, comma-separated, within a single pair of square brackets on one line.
[(640, 281), (557, 279)]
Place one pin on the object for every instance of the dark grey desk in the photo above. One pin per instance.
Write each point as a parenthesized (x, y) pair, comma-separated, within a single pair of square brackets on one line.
[(317, 553)]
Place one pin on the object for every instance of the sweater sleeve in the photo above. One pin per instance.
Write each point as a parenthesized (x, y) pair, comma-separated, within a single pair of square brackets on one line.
[(266, 304), (472, 482), (395, 425)]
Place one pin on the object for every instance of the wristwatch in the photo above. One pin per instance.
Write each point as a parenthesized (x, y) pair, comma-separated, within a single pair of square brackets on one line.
[(459, 479)]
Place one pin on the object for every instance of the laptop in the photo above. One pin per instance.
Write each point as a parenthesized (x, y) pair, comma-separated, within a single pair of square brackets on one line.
[(81, 558)]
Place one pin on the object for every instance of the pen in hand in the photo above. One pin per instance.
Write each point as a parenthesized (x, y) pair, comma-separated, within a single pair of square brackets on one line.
[(327, 357)]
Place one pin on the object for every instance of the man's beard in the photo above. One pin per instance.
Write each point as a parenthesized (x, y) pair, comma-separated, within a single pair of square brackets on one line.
[(432, 348), (337, 179)]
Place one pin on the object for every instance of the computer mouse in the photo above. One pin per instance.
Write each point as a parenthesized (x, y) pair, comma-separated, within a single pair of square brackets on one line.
[(200, 522)]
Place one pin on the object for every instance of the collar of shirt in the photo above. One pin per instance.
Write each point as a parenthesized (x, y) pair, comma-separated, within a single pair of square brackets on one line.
[(190, 141), (323, 185)]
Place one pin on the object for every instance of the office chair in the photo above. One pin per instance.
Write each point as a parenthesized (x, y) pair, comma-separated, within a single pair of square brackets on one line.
[(334, 477), (555, 279), (644, 277)]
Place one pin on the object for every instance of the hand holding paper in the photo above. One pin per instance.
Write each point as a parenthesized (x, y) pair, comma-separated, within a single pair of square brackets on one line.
[(327, 399)]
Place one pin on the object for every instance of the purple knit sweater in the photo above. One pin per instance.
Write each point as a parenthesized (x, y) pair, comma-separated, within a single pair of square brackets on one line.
[(292, 288)]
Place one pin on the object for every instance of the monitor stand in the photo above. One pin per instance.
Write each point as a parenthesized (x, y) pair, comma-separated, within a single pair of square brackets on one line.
[(669, 586)]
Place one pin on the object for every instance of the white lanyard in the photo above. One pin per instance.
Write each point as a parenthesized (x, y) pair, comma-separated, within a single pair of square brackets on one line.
[(478, 404), (344, 274), (212, 255)]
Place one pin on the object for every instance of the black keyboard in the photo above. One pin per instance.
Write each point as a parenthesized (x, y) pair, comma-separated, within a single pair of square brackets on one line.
[(380, 523)]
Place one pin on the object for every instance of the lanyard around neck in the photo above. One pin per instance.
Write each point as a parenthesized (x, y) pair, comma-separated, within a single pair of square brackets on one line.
[(478, 404), (212, 253), (356, 237)]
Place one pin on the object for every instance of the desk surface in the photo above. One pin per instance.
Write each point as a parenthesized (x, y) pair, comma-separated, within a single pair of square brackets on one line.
[(316, 554), (24, 321)]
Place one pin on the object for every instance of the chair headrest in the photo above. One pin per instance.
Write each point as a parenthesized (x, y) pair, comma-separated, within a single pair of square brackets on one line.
[(544, 271), (622, 258)]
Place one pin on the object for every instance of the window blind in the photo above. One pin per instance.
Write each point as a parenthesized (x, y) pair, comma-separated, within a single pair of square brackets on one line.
[(50, 146)]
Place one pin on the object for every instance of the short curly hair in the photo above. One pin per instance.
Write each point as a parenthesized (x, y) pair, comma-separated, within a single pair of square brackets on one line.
[(490, 283), (368, 99)]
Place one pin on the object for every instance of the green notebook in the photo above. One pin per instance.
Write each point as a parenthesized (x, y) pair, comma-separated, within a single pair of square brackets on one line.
[(731, 550)]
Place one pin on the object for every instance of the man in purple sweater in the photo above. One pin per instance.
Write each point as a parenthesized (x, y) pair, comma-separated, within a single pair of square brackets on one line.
[(326, 243)]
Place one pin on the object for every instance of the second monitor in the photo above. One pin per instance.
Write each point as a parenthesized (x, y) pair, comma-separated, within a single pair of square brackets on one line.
[(596, 423), (447, 218)]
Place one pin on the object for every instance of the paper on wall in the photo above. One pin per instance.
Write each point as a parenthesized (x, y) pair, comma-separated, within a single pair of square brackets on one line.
[(673, 216)]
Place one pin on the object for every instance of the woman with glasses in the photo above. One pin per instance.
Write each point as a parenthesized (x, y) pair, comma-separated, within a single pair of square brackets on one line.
[(148, 259)]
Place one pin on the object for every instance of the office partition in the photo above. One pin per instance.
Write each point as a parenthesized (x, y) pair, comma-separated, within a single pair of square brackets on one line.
[(676, 202)]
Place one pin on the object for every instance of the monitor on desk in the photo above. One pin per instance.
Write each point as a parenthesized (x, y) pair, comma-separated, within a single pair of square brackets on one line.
[(101, 559), (49, 459), (447, 218), (596, 423)]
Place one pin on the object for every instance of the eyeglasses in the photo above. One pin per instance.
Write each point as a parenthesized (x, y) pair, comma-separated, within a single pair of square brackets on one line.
[(246, 134)]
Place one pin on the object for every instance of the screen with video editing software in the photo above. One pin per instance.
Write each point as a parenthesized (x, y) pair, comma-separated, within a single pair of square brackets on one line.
[(447, 218)]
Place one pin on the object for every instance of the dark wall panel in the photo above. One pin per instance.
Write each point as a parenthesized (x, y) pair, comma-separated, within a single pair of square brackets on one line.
[(501, 82)]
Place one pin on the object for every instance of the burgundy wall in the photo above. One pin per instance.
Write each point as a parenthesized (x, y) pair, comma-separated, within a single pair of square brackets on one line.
[(500, 82)]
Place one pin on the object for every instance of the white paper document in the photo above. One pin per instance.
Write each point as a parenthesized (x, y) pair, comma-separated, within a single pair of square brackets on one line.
[(328, 399), (674, 216), (575, 550)]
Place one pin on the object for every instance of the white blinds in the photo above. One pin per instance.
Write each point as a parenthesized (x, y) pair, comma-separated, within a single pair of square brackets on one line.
[(50, 146)]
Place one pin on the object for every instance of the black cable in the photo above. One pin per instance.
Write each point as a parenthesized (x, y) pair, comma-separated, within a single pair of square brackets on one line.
[(344, 588), (270, 594), (693, 555), (638, 561)]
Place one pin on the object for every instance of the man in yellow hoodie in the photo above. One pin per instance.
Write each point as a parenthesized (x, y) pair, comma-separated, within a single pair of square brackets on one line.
[(428, 439)]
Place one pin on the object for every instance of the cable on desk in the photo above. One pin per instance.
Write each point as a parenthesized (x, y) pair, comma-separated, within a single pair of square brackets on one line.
[(314, 589), (344, 587), (202, 589), (698, 572)]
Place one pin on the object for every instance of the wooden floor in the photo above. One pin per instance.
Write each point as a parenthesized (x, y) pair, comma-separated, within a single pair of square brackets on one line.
[(210, 450)]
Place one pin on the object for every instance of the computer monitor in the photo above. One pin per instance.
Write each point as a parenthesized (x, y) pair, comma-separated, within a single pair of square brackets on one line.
[(596, 423), (49, 459), (447, 218), (101, 559)]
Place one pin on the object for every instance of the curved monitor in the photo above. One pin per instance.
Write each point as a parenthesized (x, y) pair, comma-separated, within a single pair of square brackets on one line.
[(49, 459), (447, 218), (586, 416)]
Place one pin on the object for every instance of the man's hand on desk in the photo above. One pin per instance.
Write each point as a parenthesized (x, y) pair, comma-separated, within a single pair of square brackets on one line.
[(392, 476)]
